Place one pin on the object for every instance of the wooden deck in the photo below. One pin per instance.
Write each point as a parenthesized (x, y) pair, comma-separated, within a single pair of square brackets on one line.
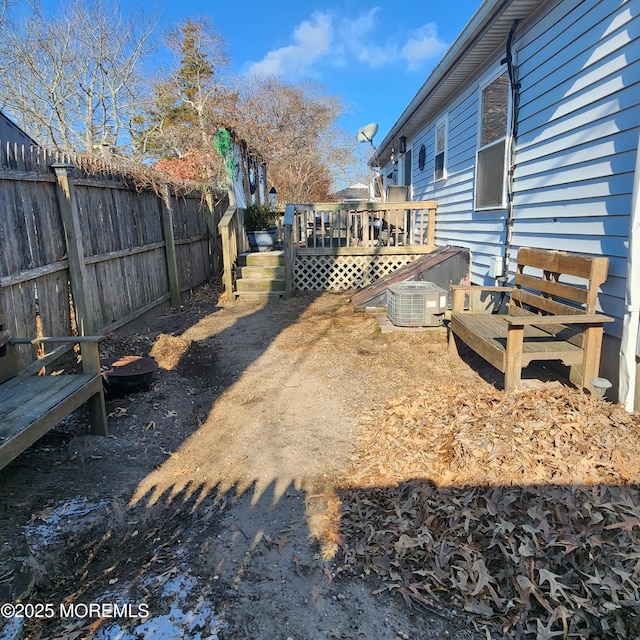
[(348, 245)]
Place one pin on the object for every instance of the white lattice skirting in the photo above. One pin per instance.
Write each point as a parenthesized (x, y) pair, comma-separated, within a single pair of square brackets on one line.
[(342, 273)]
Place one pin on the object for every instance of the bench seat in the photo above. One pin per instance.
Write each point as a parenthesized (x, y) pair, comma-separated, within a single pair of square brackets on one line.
[(551, 315), (30, 404), (487, 336)]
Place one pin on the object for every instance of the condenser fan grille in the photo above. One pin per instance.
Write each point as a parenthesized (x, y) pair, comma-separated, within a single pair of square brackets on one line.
[(416, 304)]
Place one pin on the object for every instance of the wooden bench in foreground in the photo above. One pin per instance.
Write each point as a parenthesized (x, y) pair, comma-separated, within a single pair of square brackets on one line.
[(31, 404), (551, 316)]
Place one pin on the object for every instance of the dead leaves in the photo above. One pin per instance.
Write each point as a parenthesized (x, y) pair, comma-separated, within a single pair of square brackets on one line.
[(551, 435), (510, 506), (542, 562)]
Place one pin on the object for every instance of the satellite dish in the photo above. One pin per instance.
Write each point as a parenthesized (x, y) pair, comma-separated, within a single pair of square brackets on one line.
[(365, 134)]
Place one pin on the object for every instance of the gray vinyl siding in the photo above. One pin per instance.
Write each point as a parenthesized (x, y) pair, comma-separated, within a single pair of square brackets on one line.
[(579, 69)]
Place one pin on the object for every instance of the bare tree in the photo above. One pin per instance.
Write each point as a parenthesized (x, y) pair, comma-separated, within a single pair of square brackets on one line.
[(72, 81), (294, 128), (189, 103)]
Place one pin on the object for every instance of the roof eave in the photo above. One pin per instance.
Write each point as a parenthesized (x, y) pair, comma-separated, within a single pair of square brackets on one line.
[(484, 28)]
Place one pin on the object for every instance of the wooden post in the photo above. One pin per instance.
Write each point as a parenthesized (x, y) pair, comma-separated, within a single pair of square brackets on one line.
[(513, 357), (431, 228), (289, 249), (591, 350), (229, 236), (289, 259), (212, 228), (459, 295), (80, 288), (170, 248), (75, 252), (97, 411)]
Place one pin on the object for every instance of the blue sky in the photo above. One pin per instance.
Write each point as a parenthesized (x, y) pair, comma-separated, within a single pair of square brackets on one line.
[(375, 55)]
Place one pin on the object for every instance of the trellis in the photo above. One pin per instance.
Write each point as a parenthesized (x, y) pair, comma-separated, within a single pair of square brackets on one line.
[(343, 273)]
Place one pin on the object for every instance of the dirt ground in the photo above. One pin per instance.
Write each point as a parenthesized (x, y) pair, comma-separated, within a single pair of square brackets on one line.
[(204, 514)]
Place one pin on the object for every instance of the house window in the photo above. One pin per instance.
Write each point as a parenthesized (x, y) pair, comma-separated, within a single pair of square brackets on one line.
[(440, 172), (492, 144)]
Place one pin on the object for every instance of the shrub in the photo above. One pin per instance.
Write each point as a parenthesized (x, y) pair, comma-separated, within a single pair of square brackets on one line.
[(259, 217)]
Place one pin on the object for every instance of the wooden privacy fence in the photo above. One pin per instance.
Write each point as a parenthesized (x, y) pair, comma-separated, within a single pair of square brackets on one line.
[(89, 253)]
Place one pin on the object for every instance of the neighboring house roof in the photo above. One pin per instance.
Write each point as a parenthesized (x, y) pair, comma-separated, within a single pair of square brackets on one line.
[(354, 192), (483, 36), (11, 132)]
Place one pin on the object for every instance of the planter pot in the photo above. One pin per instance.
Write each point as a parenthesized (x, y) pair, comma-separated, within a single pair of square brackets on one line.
[(261, 240)]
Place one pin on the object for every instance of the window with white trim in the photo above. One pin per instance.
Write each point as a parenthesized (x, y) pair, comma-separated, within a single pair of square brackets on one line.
[(491, 159), (441, 144)]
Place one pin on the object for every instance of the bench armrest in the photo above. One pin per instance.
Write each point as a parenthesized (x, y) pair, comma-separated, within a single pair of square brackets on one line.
[(459, 291), (587, 318), (88, 348)]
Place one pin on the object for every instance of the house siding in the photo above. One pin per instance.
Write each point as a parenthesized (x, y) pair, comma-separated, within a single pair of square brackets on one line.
[(578, 65), (12, 134), (457, 222), (579, 70)]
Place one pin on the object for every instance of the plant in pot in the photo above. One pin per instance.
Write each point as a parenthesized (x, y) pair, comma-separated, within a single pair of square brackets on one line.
[(260, 223)]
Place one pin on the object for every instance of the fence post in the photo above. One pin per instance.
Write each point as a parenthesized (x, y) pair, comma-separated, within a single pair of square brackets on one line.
[(75, 253), (170, 247)]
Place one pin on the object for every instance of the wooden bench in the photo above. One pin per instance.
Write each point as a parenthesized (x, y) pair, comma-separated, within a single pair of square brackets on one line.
[(551, 315), (31, 404)]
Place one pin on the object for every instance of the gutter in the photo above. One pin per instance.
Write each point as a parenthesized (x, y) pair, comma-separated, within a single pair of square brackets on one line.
[(511, 167)]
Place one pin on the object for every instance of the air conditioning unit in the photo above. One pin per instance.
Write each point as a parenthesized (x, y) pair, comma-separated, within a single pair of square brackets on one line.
[(416, 304)]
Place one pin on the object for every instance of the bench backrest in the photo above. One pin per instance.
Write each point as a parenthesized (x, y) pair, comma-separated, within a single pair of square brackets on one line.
[(8, 365), (543, 293)]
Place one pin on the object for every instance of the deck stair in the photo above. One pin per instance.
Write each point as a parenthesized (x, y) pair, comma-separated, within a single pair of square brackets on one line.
[(260, 275)]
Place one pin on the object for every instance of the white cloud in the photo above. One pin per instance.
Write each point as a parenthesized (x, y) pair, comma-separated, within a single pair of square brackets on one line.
[(375, 56), (423, 45), (312, 40), (335, 40)]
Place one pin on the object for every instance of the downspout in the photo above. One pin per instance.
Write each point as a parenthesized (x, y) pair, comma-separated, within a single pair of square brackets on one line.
[(630, 342), (515, 107)]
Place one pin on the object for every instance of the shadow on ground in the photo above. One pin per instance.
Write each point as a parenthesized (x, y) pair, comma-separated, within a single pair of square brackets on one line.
[(221, 506)]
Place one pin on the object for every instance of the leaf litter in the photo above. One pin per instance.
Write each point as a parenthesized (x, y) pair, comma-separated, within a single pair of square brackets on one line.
[(521, 508)]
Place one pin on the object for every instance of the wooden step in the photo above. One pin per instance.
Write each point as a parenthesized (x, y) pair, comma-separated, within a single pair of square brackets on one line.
[(257, 272), (261, 259), (259, 284), (259, 295)]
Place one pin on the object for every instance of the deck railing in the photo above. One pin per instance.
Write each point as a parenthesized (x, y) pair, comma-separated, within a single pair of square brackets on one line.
[(356, 229), (361, 224), (234, 242)]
